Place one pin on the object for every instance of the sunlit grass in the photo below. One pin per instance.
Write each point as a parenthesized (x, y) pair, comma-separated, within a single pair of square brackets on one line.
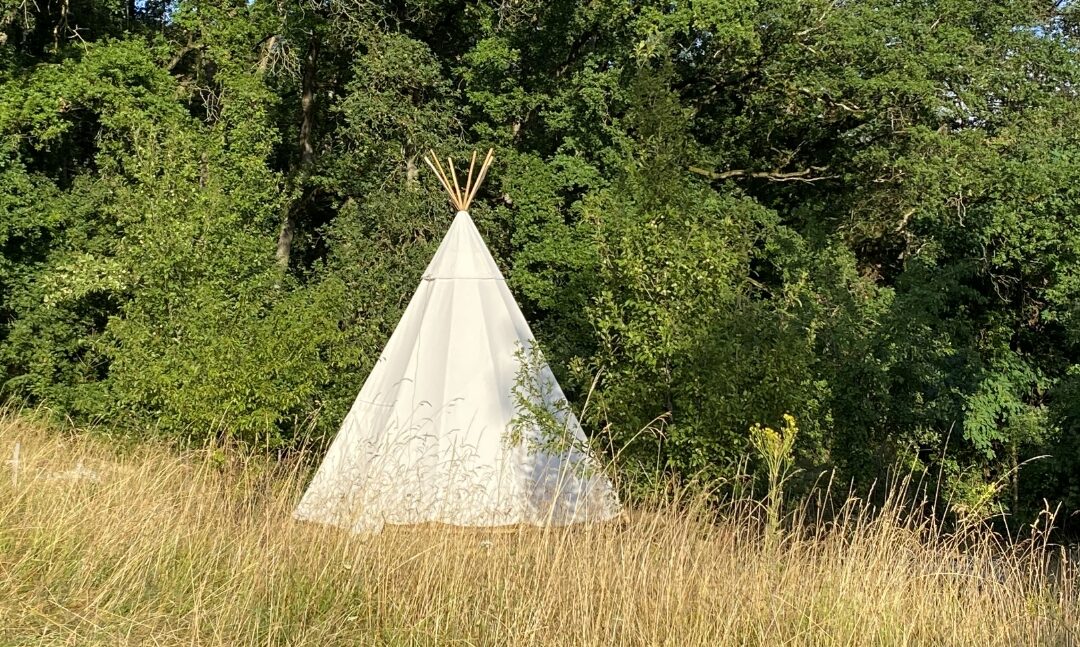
[(146, 545)]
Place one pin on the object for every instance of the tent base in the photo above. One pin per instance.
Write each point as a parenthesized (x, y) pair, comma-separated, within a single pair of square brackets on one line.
[(619, 522), (441, 527)]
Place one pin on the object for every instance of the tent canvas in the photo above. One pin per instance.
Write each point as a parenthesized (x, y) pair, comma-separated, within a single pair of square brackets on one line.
[(444, 428)]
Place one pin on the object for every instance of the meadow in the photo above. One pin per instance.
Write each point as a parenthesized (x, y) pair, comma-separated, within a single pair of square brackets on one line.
[(103, 543)]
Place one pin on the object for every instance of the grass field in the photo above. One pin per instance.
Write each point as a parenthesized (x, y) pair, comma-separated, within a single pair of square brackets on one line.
[(148, 546)]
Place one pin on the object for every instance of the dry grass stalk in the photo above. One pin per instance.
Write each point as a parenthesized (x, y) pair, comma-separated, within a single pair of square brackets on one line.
[(199, 548)]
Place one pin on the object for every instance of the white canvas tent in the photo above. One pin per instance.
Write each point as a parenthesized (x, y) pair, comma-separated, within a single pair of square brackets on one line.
[(440, 431)]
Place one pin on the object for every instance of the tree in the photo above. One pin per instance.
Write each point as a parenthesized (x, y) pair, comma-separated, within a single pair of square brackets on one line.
[(716, 212)]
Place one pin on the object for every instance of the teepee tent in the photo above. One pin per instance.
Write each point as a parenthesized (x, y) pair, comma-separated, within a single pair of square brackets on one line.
[(460, 421)]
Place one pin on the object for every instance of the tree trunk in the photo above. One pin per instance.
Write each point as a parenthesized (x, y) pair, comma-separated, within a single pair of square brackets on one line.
[(268, 51), (60, 30), (307, 152)]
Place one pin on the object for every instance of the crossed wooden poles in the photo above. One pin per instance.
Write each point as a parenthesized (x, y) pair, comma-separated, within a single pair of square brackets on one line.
[(459, 196)]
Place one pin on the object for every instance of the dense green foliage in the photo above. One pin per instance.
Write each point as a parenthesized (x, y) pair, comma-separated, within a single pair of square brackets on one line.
[(863, 213)]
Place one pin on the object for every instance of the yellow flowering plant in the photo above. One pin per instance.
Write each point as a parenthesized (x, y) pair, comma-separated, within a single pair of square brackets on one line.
[(776, 449)]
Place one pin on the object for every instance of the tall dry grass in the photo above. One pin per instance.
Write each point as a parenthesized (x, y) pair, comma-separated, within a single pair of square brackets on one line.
[(147, 546)]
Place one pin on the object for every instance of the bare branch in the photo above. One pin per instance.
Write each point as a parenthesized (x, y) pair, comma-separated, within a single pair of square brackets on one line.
[(805, 175), (904, 219)]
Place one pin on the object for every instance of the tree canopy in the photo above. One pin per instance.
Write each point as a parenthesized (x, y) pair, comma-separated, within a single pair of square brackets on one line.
[(863, 213)]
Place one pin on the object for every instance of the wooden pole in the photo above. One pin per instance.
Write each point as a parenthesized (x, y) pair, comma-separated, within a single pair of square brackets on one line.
[(446, 183), (457, 185), (483, 172), (468, 182), (439, 175), (461, 197)]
